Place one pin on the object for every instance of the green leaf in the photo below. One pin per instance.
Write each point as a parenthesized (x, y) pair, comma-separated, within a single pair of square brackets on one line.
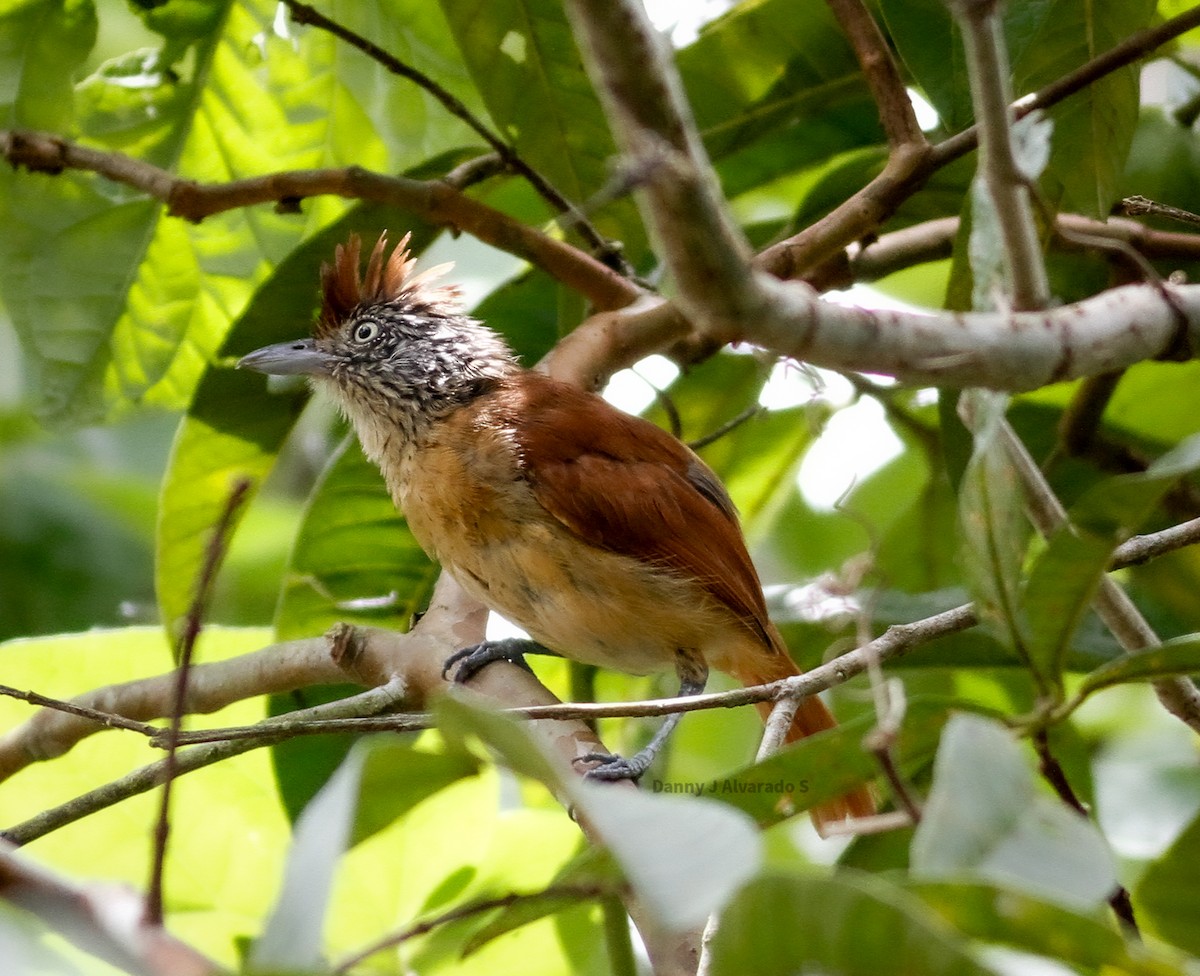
[(1028, 924), (822, 767), (655, 839), (929, 42), (1059, 591), (120, 306), (1180, 656), (379, 781), (1166, 894), (849, 923), (1065, 577), (523, 59), (396, 777), (985, 817), (224, 854), (42, 44), (592, 869), (354, 559), (1094, 129), (801, 68), (995, 532), (293, 938)]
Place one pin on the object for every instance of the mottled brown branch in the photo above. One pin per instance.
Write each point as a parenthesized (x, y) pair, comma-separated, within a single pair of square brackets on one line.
[(880, 71), (435, 201)]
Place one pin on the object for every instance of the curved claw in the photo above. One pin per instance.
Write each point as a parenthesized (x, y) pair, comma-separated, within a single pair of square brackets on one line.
[(610, 768), (471, 660)]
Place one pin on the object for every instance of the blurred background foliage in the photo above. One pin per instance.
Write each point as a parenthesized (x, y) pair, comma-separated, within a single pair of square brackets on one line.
[(122, 426)]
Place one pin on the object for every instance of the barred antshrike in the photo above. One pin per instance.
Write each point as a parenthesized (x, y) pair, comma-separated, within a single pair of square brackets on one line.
[(600, 534)]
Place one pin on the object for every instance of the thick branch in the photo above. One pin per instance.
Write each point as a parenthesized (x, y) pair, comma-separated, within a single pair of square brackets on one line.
[(1008, 351)]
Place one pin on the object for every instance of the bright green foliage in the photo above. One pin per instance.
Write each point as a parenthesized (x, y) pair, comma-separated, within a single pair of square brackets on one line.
[(120, 322)]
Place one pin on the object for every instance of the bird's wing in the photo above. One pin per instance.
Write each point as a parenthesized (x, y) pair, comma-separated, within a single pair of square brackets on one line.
[(627, 486)]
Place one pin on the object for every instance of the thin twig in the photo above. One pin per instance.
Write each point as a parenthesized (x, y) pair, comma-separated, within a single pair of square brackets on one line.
[(987, 64), (147, 777), (728, 427), (194, 622), (109, 720), (1137, 205), (553, 893), (302, 13), (1053, 773)]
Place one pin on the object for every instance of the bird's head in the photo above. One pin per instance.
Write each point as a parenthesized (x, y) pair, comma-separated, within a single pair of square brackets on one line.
[(390, 344)]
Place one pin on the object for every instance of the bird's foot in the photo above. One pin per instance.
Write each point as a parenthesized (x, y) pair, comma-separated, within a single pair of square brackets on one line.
[(471, 660), (610, 768)]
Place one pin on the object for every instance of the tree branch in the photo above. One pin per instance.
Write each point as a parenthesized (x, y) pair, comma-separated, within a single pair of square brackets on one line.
[(880, 71), (909, 168), (435, 201)]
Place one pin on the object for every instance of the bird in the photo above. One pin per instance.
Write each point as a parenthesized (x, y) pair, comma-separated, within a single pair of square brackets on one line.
[(601, 535)]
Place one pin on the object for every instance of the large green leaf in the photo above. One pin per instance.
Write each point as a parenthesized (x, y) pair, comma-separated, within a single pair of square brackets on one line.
[(824, 766), (849, 923), (1065, 576), (1093, 129), (985, 818), (766, 67), (119, 305), (995, 532), (1029, 924), (1180, 656), (525, 64), (42, 44), (1168, 891), (228, 836), (378, 782)]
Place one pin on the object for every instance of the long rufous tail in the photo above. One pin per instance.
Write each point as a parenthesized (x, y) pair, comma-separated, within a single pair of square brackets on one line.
[(811, 717)]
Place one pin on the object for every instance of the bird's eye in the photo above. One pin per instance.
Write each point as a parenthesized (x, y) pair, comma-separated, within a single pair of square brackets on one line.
[(365, 331)]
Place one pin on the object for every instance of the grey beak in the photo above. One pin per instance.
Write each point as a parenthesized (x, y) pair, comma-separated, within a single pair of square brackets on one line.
[(301, 357)]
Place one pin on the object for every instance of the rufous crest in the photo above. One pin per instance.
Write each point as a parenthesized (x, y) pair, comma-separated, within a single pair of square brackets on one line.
[(387, 280)]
